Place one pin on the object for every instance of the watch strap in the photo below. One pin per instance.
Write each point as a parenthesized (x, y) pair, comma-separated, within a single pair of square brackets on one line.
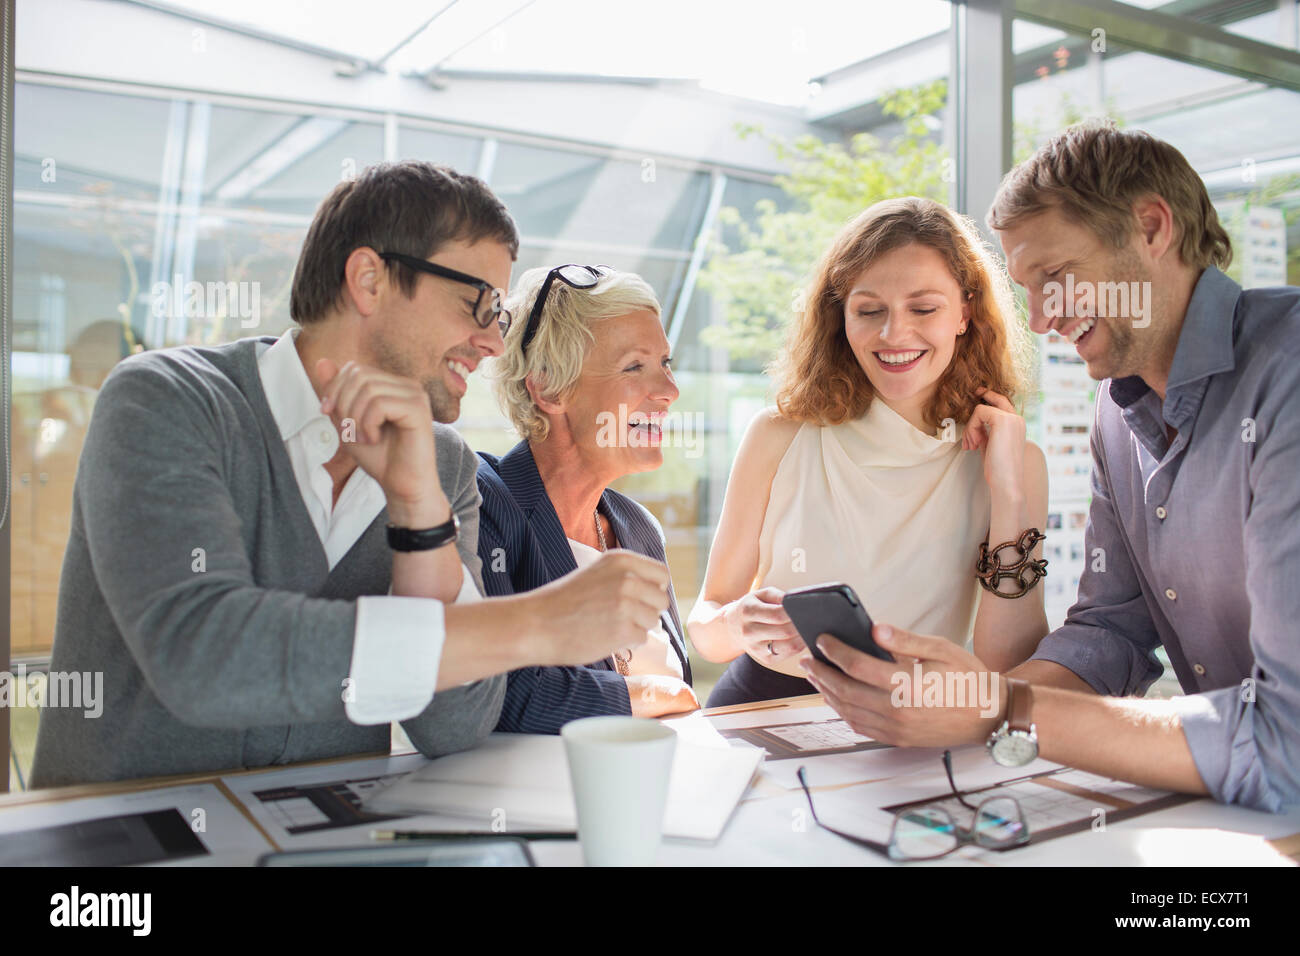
[(1019, 702), (424, 539)]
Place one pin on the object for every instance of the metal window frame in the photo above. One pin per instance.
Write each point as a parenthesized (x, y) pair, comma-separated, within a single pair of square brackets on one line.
[(1173, 37), (6, 343), (983, 69), (983, 76)]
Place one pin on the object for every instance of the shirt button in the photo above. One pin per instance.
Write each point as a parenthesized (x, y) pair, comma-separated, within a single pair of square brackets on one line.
[(1171, 593), (1199, 668), (325, 435), (1161, 512)]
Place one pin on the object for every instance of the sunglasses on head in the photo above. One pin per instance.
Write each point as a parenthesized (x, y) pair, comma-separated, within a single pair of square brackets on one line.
[(572, 275)]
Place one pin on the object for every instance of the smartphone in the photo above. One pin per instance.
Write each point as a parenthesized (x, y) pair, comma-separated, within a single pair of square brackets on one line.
[(832, 609)]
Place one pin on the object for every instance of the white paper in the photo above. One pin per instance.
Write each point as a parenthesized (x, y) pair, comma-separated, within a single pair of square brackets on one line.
[(972, 768), (697, 729), (857, 767), (522, 780), (767, 716)]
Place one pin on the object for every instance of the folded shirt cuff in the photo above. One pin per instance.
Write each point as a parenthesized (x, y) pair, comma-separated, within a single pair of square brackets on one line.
[(1109, 664), (1074, 657), (468, 591), (395, 658), (1220, 731), (1208, 737)]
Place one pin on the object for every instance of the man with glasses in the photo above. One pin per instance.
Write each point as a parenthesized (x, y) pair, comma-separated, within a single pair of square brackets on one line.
[(259, 562)]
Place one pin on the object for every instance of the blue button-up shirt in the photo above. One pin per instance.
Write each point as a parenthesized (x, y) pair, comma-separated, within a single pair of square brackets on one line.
[(1196, 544)]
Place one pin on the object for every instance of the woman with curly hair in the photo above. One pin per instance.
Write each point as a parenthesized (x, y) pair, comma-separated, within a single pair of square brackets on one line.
[(894, 451)]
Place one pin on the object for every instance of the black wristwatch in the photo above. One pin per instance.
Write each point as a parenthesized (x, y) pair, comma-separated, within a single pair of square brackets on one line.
[(424, 539)]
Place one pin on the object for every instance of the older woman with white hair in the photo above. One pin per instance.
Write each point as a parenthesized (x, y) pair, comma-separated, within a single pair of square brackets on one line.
[(586, 380)]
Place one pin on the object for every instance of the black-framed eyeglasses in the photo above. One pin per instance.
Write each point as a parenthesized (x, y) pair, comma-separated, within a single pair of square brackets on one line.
[(572, 275), (485, 309), (928, 831)]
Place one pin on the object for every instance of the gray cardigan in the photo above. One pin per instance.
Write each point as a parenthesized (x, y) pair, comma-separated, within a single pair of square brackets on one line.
[(240, 664)]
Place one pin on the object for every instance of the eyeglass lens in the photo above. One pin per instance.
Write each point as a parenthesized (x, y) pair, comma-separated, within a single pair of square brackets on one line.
[(581, 277), (926, 832), (489, 309)]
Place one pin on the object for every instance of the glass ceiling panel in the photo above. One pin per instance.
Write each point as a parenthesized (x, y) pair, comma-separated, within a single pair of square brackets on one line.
[(760, 49), (331, 24), (1242, 17)]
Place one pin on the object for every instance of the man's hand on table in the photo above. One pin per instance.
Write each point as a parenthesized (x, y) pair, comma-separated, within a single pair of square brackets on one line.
[(865, 694)]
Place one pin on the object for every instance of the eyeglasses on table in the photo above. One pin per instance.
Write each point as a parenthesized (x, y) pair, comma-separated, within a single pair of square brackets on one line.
[(928, 831)]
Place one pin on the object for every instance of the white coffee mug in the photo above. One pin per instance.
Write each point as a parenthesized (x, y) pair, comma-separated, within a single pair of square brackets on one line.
[(619, 767)]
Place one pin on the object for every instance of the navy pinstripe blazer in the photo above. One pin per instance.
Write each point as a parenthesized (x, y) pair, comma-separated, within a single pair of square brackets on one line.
[(523, 546)]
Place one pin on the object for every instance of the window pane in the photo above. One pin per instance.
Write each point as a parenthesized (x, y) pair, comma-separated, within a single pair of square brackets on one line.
[(560, 195), (85, 190), (458, 152)]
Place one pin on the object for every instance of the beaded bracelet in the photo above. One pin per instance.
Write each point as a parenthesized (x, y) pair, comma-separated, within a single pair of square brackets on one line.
[(1026, 571)]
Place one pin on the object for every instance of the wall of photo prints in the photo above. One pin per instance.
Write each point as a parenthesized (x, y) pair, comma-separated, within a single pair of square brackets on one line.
[(1068, 394)]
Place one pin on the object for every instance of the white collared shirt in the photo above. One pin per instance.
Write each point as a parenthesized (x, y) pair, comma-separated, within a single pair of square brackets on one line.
[(398, 642)]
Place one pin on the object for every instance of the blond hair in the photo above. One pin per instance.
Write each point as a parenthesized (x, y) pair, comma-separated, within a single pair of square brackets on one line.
[(564, 336), (818, 377), (1094, 172)]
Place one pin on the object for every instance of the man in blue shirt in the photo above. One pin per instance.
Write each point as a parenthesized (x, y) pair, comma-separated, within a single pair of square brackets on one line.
[(1192, 539)]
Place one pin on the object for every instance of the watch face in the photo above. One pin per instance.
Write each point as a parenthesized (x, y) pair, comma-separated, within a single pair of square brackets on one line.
[(1014, 749)]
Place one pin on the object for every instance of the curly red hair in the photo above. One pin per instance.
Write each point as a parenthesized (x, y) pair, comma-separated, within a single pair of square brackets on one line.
[(817, 375)]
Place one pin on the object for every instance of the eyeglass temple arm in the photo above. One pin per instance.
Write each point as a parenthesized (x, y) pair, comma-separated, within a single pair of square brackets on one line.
[(959, 794), (880, 848)]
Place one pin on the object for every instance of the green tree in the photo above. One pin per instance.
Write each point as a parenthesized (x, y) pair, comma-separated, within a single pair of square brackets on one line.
[(761, 280)]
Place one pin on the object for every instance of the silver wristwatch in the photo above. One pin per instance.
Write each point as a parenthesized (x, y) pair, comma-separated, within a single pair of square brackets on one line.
[(1015, 743)]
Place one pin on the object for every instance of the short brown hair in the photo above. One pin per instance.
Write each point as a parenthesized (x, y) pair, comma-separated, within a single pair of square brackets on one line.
[(410, 207), (1094, 172), (818, 377)]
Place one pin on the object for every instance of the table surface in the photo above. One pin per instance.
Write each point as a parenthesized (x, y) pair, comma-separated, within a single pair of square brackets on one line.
[(769, 827)]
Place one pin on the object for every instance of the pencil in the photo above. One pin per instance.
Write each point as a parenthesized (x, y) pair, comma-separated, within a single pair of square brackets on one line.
[(471, 835)]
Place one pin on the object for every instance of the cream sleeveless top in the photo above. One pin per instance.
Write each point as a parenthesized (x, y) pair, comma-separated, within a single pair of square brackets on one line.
[(896, 514)]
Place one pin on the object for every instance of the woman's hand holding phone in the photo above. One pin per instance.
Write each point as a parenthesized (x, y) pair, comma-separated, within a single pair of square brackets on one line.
[(761, 628)]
